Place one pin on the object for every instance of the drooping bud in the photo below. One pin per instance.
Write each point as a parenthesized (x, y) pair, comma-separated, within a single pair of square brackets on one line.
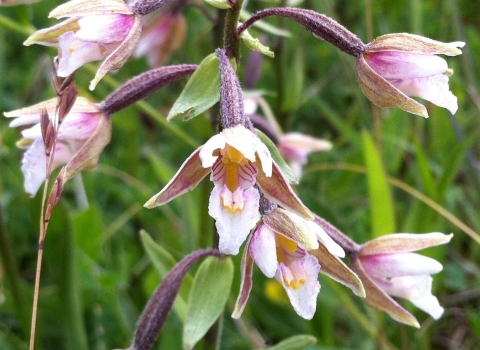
[(143, 85), (232, 110), (158, 307), (320, 25)]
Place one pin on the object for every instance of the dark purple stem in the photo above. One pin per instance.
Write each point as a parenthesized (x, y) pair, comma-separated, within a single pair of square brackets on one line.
[(143, 85), (349, 246), (320, 25), (158, 307)]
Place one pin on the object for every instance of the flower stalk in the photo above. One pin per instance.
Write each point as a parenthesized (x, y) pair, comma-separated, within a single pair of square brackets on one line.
[(320, 25)]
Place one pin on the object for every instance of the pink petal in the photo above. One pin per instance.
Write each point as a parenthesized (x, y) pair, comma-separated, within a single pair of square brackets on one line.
[(405, 65), (403, 264), (104, 28), (34, 164), (418, 290), (263, 250), (403, 243), (233, 228), (78, 126), (303, 298), (76, 53)]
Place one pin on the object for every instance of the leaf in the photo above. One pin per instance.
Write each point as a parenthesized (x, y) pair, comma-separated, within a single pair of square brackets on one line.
[(163, 262), (255, 44), (201, 92), (277, 158), (210, 291), (425, 172), (383, 220), (297, 342)]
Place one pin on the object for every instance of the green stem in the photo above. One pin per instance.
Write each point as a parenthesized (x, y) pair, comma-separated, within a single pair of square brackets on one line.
[(230, 39)]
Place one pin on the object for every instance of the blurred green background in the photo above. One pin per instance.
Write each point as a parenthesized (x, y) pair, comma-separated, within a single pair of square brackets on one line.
[(97, 276)]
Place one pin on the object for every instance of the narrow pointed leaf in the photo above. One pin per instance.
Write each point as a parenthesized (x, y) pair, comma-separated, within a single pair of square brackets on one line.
[(208, 296), (383, 220), (201, 92)]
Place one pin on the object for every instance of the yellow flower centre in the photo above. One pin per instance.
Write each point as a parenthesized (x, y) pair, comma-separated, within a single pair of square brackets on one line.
[(295, 276), (233, 160), (284, 244), (233, 202)]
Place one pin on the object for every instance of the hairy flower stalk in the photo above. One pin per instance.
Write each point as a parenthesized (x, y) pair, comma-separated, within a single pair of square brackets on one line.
[(320, 25), (143, 85)]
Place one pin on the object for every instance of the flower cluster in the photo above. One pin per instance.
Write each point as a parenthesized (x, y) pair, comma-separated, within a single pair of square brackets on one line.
[(252, 201)]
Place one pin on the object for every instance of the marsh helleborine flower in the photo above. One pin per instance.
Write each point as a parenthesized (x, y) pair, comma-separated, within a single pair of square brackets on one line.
[(82, 136), (94, 30), (280, 247), (387, 266), (395, 66), (237, 160)]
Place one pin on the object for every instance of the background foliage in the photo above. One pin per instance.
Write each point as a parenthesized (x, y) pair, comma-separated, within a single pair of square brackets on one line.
[(97, 274)]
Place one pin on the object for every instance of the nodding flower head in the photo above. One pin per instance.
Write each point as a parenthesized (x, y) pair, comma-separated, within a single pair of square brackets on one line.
[(396, 66), (82, 136), (94, 30), (387, 266)]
